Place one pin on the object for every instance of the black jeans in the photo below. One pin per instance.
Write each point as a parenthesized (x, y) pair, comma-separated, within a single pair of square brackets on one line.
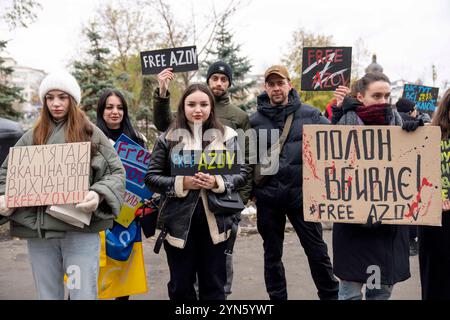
[(199, 257), (271, 224)]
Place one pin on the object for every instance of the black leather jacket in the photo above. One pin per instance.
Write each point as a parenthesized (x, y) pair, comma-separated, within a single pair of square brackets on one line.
[(176, 212)]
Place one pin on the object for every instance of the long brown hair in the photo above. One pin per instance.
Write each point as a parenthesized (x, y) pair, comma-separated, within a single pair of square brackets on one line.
[(79, 128), (212, 122), (442, 116)]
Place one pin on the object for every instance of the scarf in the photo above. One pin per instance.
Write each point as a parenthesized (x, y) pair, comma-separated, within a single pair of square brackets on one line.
[(376, 114)]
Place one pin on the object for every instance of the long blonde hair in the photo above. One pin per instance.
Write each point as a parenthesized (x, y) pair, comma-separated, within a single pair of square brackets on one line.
[(79, 128)]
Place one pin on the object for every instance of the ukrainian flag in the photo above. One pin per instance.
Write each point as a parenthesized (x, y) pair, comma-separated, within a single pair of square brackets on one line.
[(123, 274)]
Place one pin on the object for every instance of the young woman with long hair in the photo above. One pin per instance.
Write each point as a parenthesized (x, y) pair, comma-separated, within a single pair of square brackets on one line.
[(195, 238), (113, 120), (54, 246), (358, 247)]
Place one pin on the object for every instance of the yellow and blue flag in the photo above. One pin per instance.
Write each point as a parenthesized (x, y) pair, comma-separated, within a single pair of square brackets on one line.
[(124, 272)]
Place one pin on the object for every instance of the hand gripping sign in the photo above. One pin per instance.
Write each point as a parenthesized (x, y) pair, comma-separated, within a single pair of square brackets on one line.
[(353, 172), (47, 174)]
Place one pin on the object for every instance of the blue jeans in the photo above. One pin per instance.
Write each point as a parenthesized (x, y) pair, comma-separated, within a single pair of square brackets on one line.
[(349, 290), (77, 255)]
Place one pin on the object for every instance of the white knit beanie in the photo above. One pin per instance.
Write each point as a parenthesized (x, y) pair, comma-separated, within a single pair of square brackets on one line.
[(60, 80)]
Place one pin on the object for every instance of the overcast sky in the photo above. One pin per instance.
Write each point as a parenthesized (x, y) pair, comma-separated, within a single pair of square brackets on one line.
[(408, 36)]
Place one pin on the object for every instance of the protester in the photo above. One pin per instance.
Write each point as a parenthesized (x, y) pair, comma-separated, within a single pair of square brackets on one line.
[(219, 79), (53, 245), (434, 242), (113, 120), (408, 111), (195, 238), (280, 194), (357, 247)]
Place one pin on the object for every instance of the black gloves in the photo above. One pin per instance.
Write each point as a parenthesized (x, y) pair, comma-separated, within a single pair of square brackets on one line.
[(370, 224), (412, 125), (337, 114)]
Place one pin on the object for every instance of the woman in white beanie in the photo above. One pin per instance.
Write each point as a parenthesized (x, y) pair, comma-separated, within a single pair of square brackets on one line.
[(55, 247)]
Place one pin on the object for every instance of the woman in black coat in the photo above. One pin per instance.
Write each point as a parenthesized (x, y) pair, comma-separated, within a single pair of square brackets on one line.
[(195, 237), (434, 242), (360, 251)]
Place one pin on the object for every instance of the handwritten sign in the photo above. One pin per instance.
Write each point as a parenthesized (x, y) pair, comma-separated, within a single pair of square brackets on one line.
[(135, 160), (424, 97), (445, 169), (189, 162), (326, 68), (351, 173), (180, 59), (47, 174)]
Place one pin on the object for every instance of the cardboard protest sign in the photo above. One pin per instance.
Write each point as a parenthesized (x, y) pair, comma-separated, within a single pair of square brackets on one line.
[(135, 160), (189, 162), (180, 59), (424, 97), (445, 169), (326, 68), (47, 174), (353, 172)]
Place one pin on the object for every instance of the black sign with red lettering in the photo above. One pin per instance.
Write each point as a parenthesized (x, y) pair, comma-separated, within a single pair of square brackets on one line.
[(326, 68)]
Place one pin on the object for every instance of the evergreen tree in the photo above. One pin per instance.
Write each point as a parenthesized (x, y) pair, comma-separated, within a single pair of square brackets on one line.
[(144, 115), (93, 75), (226, 50), (8, 92)]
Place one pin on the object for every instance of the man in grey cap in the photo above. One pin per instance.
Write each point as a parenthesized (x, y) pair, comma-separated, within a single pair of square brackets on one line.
[(280, 193)]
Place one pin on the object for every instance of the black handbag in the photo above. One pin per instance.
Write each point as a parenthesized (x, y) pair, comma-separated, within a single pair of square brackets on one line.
[(148, 217), (226, 203)]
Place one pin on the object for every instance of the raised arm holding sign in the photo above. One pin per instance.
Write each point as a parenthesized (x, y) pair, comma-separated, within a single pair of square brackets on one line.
[(326, 68)]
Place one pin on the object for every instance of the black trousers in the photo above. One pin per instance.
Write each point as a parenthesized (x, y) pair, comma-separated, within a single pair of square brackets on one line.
[(200, 257), (434, 260), (271, 224), (412, 233)]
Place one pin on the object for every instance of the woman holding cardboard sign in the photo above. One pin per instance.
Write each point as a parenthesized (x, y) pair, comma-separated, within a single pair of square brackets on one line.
[(434, 242), (372, 254), (196, 239), (57, 247)]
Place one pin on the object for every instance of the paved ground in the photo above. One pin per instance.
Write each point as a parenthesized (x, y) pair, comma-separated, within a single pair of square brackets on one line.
[(16, 280)]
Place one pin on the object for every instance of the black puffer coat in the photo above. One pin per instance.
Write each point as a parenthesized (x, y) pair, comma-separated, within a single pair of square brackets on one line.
[(285, 187)]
